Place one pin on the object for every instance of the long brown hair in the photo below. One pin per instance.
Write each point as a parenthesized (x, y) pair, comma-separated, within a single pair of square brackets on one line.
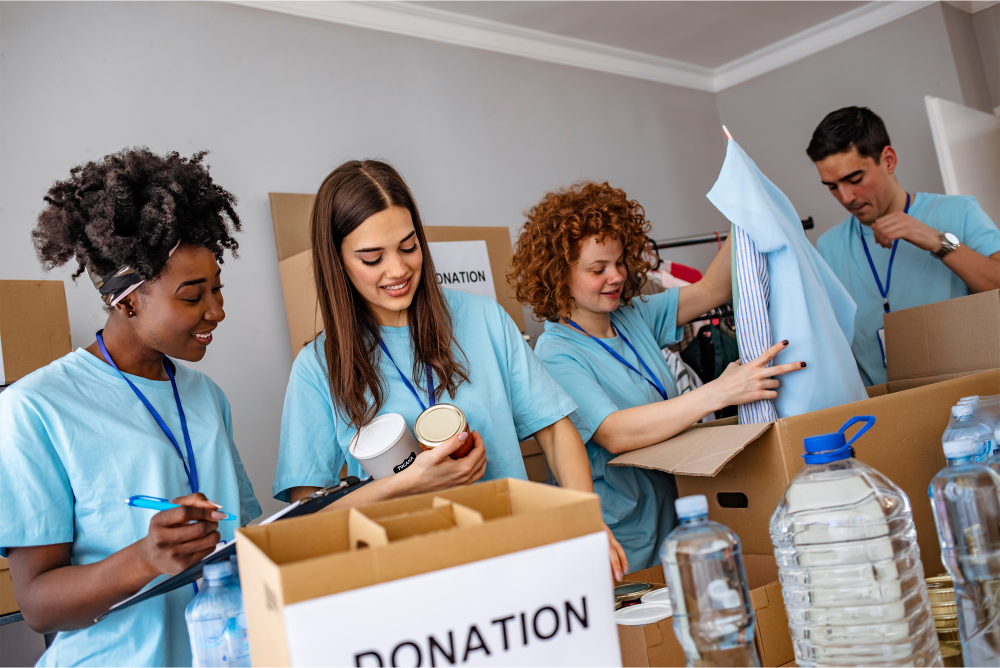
[(350, 195)]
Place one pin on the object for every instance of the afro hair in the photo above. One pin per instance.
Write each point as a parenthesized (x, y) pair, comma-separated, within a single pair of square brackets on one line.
[(132, 208)]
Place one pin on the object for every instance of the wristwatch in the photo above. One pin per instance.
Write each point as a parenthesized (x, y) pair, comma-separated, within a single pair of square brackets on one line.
[(949, 242)]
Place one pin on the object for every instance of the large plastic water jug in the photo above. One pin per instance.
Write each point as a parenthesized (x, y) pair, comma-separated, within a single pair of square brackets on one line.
[(849, 563)]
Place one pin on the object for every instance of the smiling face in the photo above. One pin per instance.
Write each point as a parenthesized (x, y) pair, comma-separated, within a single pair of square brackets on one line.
[(176, 312), (383, 260), (861, 186), (596, 280)]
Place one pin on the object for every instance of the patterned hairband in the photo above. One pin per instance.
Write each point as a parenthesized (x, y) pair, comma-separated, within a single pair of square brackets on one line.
[(116, 286)]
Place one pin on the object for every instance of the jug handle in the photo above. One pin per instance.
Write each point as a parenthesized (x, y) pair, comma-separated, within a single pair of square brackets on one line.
[(869, 421)]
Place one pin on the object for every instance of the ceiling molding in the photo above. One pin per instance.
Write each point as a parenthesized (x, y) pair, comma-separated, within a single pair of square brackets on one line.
[(403, 18), (813, 40), (461, 30), (972, 6)]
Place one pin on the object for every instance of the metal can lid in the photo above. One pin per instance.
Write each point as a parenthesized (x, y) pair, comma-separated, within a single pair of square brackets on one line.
[(632, 591), (439, 423)]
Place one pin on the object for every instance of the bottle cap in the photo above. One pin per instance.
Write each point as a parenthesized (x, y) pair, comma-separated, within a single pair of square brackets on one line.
[(962, 410), (691, 506), (826, 448), (723, 598), (218, 570), (969, 400), (955, 449)]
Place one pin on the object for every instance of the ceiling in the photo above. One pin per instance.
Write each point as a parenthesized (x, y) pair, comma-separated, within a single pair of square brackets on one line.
[(704, 34)]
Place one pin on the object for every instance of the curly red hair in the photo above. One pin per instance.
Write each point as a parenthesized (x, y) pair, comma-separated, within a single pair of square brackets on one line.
[(549, 244)]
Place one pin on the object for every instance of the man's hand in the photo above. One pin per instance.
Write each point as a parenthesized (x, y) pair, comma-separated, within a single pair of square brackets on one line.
[(899, 225)]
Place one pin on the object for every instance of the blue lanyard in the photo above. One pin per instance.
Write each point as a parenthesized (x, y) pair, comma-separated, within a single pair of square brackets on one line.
[(892, 257), (430, 379), (192, 473), (655, 382)]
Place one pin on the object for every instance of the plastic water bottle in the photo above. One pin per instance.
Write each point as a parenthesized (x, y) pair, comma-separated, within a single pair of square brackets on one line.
[(849, 563), (713, 616), (216, 623), (966, 500), (986, 410), (964, 425)]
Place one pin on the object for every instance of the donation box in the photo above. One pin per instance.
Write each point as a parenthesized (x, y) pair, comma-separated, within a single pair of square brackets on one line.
[(503, 573)]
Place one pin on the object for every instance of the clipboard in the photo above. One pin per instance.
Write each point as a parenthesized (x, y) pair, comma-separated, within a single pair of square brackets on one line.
[(313, 503)]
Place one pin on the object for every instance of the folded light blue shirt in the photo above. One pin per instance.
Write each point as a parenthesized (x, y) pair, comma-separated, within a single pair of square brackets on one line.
[(807, 304), (637, 504), (75, 443), (508, 398), (918, 278)]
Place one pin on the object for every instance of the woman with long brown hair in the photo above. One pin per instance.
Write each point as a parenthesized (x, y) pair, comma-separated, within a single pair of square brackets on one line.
[(576, 265), (395, 342)]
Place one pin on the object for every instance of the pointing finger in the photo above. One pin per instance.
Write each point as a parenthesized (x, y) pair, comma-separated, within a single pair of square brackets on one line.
[(769, 354)]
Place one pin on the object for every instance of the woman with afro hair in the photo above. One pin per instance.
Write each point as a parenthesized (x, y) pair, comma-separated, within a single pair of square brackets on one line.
[(123, 416), (579, 266)]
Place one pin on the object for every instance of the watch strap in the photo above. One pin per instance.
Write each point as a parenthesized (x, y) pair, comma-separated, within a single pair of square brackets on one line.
[(946, 246)]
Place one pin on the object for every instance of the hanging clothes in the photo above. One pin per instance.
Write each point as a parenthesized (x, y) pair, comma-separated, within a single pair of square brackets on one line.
[(807, 304), (686, 379)]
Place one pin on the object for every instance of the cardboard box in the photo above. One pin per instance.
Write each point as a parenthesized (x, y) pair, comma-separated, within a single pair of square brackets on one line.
[(656, 644), (291, 213), (745, 469), (7, 602), (534, 461), (504, 572), (34, 327), (936, 342)]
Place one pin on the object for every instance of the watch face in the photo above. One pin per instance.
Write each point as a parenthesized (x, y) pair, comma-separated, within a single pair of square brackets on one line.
[(952, 239)]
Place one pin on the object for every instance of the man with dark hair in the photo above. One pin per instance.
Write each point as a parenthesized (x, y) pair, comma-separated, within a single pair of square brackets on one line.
[(897, 249)]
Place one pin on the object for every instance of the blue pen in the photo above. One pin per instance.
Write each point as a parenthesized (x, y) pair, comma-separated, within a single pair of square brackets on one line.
[(156, 503)]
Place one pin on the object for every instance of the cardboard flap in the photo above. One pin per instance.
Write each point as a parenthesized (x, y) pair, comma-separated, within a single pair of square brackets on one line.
[(652, 635), (943, 340), (363, 532), (463, 517), (697, 452), (633, 646)]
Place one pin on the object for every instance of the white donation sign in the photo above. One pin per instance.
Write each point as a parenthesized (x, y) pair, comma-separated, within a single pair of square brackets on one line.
[(463, 265), (547, 606)]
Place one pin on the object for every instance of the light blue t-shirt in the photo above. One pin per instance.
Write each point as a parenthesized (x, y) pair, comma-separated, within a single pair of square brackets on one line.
[(75, 442), (918, 278), (508, 398), (637, 504)]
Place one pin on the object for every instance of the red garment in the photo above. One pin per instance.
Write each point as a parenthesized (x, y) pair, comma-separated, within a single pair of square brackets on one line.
[(685, 273)]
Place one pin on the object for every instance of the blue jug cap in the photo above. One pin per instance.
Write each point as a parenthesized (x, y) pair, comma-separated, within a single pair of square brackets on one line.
[(826, 448)]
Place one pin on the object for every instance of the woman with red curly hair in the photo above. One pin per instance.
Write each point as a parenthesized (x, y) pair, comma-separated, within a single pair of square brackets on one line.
[(579, 265)]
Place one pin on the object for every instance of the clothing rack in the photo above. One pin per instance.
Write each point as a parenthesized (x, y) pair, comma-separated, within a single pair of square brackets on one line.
[(807, 224)]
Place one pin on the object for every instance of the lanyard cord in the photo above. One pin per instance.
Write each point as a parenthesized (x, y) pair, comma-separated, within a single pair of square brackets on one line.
[(655, 382), (409, 386), (892, 258), (192, 473)]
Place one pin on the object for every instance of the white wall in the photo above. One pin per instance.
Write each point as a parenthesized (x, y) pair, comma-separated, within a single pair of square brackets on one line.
[(280, 101), (986, 24), (889, 69)]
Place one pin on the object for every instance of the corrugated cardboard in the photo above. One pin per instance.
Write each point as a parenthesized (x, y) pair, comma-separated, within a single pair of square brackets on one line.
[(940, 341), (656, 644), (534, 461), (291, 213), (7, 602), (904, 444), (339, 551), (34, 327)]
